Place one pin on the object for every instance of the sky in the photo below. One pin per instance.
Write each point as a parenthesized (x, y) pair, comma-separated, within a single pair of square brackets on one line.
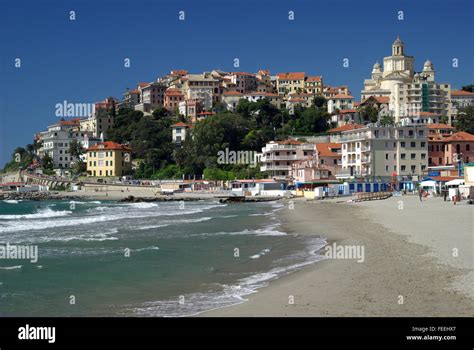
[(82, 61)]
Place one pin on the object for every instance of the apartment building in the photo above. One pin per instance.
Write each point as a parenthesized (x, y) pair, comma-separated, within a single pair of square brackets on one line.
[(190, 108), (313, 85), (381, 152), (277, 157), (173, 97), (131, 98), (421, 96), (179, 132), (290, 82), (340, 102), (274, 99), (244, 82), (108, 159), (231, 99), (56, 139), (448, 148), (202, 87)]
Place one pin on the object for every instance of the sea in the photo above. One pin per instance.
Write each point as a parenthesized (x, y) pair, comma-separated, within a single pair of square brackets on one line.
[(105, 258)]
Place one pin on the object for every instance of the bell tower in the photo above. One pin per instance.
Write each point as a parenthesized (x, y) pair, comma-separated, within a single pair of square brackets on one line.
[(398, 47)]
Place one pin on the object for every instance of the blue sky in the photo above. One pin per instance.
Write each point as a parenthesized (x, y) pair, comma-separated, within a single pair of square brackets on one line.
[(82, 60)]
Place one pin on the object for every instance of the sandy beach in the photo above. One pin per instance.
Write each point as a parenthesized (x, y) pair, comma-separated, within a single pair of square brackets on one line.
[(419, 261)]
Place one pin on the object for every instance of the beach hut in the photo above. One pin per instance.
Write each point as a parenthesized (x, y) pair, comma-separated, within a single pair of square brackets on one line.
[(429, 185)]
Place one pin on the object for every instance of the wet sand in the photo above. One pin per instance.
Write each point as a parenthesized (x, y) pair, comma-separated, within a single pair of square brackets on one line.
[(410, 266)]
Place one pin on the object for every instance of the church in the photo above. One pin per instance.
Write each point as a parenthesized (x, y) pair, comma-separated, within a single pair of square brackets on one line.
[(409, 92)]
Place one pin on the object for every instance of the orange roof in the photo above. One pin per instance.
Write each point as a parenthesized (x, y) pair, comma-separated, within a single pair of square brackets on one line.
[(233, 93), (313, 78), (243, 73), (180, 124), (143, 84), (428, 114), (346, 127), (462, 93), (291, 76), (343, 96), (179, 72), (379, 99), (326, 149), (460, 136), (264, 72), (439, 126), (134, 91), (173, 91), (109, 145), (72, 122), (344, 111)]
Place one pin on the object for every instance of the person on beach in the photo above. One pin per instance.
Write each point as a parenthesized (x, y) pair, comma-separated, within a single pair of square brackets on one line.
[(445, 195), (420, 193)]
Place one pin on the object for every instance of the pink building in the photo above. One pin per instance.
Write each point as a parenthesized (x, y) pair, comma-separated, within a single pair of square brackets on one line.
[(173, 97)]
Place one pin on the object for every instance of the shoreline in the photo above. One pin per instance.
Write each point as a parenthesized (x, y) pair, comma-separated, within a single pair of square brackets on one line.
[(408, 268)]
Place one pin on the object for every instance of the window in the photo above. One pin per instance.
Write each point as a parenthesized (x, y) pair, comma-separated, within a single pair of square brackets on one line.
[(402, 144), (386, 155), (413, 155), (423, 156), (413, 169), (404, 168), (468, 147), (423, 144), (412, 144), (386, 168)]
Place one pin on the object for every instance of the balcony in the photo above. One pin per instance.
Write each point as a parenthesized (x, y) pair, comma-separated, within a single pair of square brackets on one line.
[(275, 167), (365, 149), (282, 157)]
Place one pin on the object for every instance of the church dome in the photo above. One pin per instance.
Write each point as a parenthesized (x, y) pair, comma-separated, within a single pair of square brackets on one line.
[(428, 65), (398, 41), (376, 66)]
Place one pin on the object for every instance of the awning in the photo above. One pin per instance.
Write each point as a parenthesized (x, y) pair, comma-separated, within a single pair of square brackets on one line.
[(455, 182)]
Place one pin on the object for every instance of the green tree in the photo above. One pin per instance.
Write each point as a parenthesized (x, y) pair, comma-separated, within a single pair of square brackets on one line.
[(369, 114), (465, 120), (444, 119), (387, 120)]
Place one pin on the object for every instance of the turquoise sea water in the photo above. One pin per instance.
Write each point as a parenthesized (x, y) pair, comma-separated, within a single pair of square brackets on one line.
[(143, 259)]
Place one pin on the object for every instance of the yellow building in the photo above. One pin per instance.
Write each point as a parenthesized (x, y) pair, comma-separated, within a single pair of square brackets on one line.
[(109, 159), (288, 83)]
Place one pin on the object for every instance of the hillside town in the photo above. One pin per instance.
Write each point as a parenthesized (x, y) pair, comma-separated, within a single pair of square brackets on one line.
[(403, 134)]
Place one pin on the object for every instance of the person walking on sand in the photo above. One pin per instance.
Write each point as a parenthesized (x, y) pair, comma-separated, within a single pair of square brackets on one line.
[(445, 194), (420, 193)]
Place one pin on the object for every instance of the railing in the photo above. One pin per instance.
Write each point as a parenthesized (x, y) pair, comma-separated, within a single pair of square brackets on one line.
[(286, 157)]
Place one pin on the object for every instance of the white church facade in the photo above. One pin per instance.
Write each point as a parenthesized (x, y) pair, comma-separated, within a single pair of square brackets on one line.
[(410, 93)]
